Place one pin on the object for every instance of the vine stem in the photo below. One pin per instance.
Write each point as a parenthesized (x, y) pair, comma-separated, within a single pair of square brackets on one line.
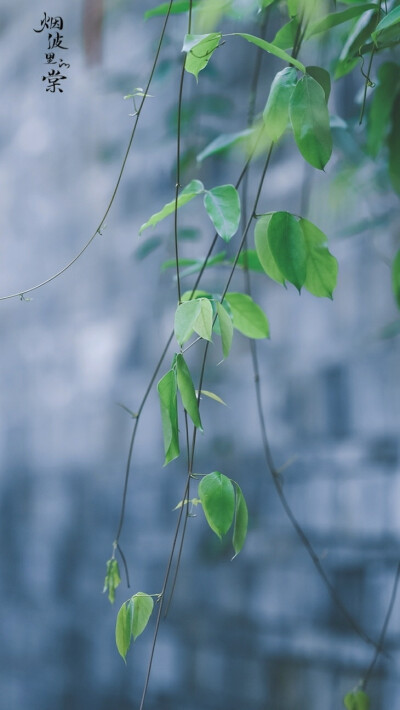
[(23, 292), (382, 636)]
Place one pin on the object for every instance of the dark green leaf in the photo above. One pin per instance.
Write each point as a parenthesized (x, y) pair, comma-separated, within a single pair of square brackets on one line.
[(142, 608), (241, 521), (195, 187), (396, 278), (272, 49), (223, 207), (337, 18), (147, 247), (276, 112), (267, 261), (356, 700), (112, 580), (248, 317), (381, 106), (169, 415), (187, 391), (224, 142), (286, 36), (123, 630), (322, 267), (199, 50), (287, 245), (394, 147), (218, 501), (226, 329), (388, 29), (322, 77), (310, 121)]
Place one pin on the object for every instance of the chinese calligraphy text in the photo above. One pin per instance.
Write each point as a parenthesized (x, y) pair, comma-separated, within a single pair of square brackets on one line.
[(55, 42)]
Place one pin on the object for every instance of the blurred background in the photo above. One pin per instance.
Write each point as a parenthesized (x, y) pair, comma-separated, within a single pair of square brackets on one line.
[(262, 631)]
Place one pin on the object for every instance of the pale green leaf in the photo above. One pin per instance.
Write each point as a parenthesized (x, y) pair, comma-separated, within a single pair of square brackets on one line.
[(169, 415), (338, 18), (218, 500), (226, 329), (177, 7), (272, 49), (248, 259), (224, 142), (310, 121), (287, 245), (142, 608), (199, 50), (264, 253), (323, 78), (123, 630), (241, 521), (185, 317), (112, 579), (276, 111), (396, 278), (223, 207), (381, 106), (322, 267), (187, 391), (349, 56), (248, 317), (204, 321), (214, 396), (194, 188)]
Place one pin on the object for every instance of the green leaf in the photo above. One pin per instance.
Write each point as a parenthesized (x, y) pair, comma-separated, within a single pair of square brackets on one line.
[(272, 49), (241, 521), (337, 18), (394, 147), (177, 7), (248, 318), (396, 278), (185, 317), (248, 259), (310, 121), (276, 112), (286, 36), (211, 395), (356, 700), (147, 247), (267, 261), (224, 142), (194, 188), (226, 329), (287, 245), (349, 56), (193, 265), (381, 106), (187, 391), (112, 579), (204, 321), (199, 49), (218, 500), (193, 315), (388, 29), (123, 630), (169, 415), (223, 207), (322, 77), (142, 608), (322, 267)]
